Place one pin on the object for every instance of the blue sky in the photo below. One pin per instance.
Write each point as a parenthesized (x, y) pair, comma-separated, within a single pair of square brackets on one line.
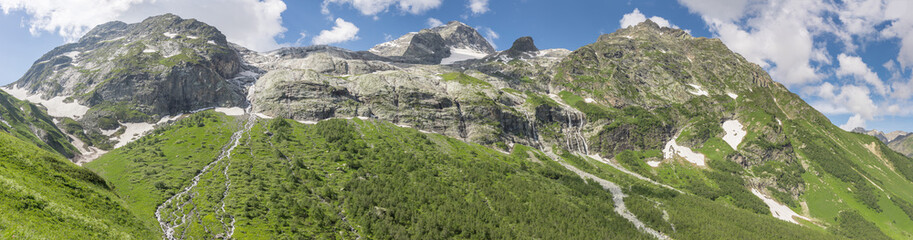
[(850, 59)]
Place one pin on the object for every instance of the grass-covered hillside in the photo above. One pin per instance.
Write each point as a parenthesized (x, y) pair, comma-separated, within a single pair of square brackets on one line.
[(44, 196), (32, 124), (371, 179)]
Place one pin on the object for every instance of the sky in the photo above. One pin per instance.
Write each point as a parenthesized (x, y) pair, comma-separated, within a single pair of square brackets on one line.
[(850, 59)]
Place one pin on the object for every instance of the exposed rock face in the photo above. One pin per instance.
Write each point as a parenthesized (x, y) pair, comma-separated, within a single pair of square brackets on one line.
[(884, 137), (163, 65), (523, 44), (459, 35), (898, 141), (418, 97), (903, 145), (430, 46)]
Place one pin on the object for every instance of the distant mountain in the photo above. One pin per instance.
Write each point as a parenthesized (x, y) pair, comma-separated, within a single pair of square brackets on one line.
[(884, 137), (903, 145), (899, 141), (444, 44)]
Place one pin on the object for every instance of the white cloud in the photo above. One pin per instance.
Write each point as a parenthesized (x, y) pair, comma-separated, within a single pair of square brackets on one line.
[(342, 32), (434, 22), (849, 99), (373, 7), (478, 6), (903, 90), (300, 40), (853, 66), (854, 122), (490, 35), (718, 9), (636, 17), (251, 23)]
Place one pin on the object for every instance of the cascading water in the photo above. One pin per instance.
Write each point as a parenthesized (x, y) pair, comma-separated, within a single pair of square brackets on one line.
[(184, 198)]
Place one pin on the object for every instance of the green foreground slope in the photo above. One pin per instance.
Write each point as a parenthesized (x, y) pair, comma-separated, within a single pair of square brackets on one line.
[(32, 124), (356, 178), (44, 196)]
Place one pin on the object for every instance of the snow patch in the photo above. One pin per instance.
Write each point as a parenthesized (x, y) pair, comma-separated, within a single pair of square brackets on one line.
[(167, 119), (133, 131), (192, 37), (779, 122), (653, 163), (588, 100), (211, 42), (672, 149), (734, 133), (7, 123), (698, 90), (779, 210), (72, 54), (56, 106), (109, 132), (232, 111), (149, 50), (462, 54), (170, 34), (263, 116), (732, 95)]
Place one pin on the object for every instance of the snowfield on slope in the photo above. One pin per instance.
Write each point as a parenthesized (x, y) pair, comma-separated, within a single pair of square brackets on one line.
[(779, 210), (734, 133), (462, 54), (232, 111), (698, 90), (672, 149), (57, 107)]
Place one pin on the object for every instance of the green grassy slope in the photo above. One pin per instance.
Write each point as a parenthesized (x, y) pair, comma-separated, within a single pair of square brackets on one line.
[(646, 91), (32, 124), (43, 196), (350, 178)]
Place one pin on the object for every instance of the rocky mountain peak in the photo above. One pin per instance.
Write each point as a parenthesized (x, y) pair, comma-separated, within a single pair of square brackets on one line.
[(160, 66), (524, 44), (646, 30), (434, 44), (882, 136)]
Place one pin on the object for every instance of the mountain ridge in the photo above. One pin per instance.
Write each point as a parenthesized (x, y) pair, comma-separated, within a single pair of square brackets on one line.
[(639, 110)]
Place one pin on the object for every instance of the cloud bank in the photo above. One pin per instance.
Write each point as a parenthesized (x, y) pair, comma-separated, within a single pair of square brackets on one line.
[(342, 32)]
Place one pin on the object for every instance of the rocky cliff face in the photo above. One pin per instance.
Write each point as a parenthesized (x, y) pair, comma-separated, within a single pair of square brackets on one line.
[(884, 137), (161, 66), (119, 73), (903, 145)]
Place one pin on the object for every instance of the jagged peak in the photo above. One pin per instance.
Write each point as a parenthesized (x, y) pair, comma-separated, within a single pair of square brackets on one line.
[(454, 23), (524, 44), (645, 29), (648, 24)]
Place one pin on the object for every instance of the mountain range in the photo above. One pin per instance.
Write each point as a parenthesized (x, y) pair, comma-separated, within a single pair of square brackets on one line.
[(899, 141), (646, 133)]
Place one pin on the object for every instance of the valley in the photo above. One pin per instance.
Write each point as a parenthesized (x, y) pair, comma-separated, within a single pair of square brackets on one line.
[(646, 133)]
